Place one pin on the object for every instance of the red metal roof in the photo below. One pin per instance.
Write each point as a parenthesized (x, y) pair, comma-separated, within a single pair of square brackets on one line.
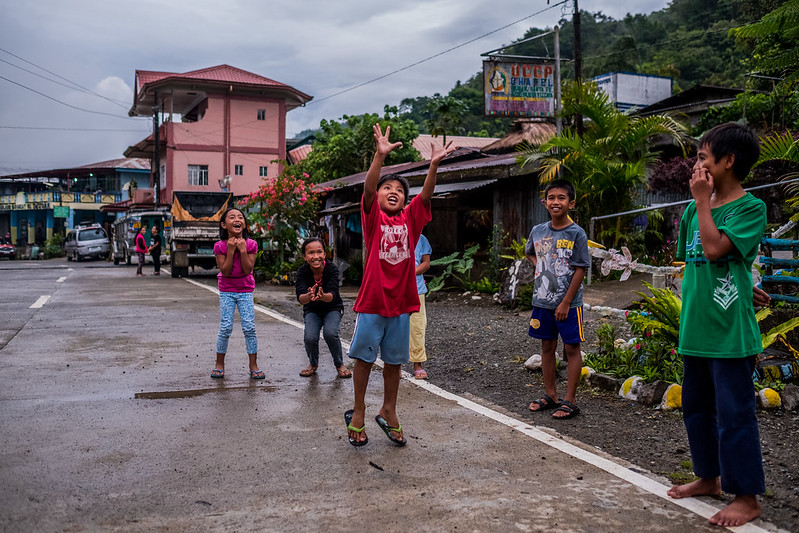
[(224, 73)]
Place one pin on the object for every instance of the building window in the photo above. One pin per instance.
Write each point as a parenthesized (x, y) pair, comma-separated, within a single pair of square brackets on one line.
[(239, 170), (262, 171), (262, 114), (198, 174)]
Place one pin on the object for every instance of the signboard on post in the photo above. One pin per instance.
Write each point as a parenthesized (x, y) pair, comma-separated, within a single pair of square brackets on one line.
[(61, 211), (518, 89)]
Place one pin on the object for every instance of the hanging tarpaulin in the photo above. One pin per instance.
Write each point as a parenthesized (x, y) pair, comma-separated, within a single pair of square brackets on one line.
[(519, 89)]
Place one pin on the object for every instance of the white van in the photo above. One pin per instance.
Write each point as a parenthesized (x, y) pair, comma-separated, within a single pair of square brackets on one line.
[(86, 241)]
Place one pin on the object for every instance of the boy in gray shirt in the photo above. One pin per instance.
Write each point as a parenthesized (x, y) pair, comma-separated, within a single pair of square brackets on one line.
[(559, 251)]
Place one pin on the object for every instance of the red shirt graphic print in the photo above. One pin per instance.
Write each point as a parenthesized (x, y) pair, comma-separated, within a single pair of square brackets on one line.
[(388, 287)]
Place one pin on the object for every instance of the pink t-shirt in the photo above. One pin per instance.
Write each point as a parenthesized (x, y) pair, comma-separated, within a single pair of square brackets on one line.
[(389, 276), (236, 281)]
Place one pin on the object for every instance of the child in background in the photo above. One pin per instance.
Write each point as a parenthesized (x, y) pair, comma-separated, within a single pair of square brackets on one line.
[(388, 291), (719, 336), (141, 249), (418, 354), (235, 258), (317, 291), (559, 251)]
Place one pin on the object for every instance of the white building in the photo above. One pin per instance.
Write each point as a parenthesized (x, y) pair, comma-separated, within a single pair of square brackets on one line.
[(633, 91)]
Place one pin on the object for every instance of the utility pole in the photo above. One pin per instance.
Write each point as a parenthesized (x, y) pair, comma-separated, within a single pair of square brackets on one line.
[(558, 107), (578, 60), (156, 155)]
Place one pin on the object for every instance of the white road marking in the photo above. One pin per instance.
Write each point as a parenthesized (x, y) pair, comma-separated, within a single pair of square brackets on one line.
[(61, 279), (630, 476), (40, 302)]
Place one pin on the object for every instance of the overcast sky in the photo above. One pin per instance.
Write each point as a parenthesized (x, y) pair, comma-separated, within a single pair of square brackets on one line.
[(320, 47)]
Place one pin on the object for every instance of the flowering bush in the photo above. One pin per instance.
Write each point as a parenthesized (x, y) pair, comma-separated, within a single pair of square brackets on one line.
[(282, 212)]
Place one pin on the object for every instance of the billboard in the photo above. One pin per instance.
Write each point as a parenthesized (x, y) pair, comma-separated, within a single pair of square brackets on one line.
[(518, 89)]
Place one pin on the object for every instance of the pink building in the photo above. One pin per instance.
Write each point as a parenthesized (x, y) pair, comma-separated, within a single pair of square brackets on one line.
[(221, 129)]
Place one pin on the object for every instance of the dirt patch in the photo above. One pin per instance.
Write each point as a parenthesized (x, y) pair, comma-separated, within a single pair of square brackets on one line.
[(477, 347)]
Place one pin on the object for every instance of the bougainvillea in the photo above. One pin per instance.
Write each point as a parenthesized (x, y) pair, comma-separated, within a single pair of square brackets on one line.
[(282, 211)]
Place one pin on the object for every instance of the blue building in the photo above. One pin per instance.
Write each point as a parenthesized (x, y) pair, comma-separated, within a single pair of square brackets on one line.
[(36, 205)]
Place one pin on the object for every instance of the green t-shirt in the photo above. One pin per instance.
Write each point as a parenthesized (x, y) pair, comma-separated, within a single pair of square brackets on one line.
[(718, 317)]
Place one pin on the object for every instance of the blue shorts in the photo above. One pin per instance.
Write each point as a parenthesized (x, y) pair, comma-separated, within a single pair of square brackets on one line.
[(390, 335), (544, 326)]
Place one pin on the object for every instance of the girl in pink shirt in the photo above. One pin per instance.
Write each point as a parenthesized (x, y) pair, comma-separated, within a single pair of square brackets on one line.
[(235, 258)]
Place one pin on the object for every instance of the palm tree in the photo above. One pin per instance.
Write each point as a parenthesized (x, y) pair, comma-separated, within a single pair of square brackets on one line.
[(609, 160), (783, 148)]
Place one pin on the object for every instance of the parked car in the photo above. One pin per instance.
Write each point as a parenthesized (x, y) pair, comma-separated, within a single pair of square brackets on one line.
[(83, 242), (7, 249)]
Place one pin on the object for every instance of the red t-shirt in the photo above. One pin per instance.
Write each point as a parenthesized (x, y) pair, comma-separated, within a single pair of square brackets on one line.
[(389, 276)]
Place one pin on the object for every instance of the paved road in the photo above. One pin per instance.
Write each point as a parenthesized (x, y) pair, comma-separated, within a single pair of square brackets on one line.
[(110, 422)]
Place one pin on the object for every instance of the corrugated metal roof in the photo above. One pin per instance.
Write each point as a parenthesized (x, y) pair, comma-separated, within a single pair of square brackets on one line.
[(298, 154), (131, 163), (523, 130), (424, 141), (224, 73), (113, 164)]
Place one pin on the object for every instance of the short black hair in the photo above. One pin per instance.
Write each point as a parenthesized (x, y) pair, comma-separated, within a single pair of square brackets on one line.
[(560, 184), (309, 240), (737, 139), (388, 177)]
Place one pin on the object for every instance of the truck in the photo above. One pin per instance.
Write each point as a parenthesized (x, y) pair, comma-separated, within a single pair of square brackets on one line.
[(195, 229), (127, 226)]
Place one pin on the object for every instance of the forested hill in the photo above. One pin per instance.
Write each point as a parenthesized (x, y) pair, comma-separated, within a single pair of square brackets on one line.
[(688, 41)]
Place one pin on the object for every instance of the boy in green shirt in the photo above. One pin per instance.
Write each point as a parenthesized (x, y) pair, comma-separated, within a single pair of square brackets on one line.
[(719, 337)]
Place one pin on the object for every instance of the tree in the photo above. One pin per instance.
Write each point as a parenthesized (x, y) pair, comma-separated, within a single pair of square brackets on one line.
[(446, 116), (776, 52), (346, 147), (609, 160)]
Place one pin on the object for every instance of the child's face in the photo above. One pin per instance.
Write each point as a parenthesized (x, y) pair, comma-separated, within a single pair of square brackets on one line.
[(558, 203), (234, 223), (155, 230), (314, 254), (391, 197), (705, 160)]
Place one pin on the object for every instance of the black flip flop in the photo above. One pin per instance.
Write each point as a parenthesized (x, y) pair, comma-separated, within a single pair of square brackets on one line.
[(387, 430), (348, 419)]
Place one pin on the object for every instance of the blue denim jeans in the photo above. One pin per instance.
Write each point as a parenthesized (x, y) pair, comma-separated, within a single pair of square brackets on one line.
[(328, 324), (228, 301)]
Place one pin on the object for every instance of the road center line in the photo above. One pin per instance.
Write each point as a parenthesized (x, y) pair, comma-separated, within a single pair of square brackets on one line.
[(636, 479), (38, 304)]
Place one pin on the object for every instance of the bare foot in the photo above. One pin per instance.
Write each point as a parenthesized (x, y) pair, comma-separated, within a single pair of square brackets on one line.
[(743, 509), (700, 487)]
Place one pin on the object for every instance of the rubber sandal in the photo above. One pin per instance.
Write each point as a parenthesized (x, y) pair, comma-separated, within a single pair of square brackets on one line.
[(567, 407), (348, 419), (545, 403), (308, 371), (388, 430), (257, 374), (217, 373), (420, 374), (344, 373)]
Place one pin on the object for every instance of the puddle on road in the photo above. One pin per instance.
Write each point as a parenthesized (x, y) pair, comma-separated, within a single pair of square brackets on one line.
[(172, 394)]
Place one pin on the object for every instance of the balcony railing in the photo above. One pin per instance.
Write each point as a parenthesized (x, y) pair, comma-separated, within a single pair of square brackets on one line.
[(47, 199)]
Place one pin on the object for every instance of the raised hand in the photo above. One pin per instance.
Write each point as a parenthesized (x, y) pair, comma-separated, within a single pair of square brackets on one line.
[(440, 152), (701, 184), (384, 146)]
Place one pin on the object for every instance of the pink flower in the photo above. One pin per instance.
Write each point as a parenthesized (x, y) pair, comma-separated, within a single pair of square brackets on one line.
[(637, 346), (648, 333)]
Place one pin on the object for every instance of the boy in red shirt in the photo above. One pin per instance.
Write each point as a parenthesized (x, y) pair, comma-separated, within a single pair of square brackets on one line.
[(388, 292)]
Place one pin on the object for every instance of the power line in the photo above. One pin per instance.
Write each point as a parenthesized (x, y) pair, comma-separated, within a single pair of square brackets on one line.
[(47, 128), (75, 84), (64, 103), (435, 55)]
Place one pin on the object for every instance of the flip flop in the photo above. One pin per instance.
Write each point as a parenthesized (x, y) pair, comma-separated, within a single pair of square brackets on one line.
[(348, 419), (544, 403), (387, 430), (257, 374), (567, 407), (217, 373), (344, 373), (420, 374), (308, 371)]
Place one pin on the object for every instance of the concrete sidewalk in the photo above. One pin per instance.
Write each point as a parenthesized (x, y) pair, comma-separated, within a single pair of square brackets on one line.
[(111, 423)]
